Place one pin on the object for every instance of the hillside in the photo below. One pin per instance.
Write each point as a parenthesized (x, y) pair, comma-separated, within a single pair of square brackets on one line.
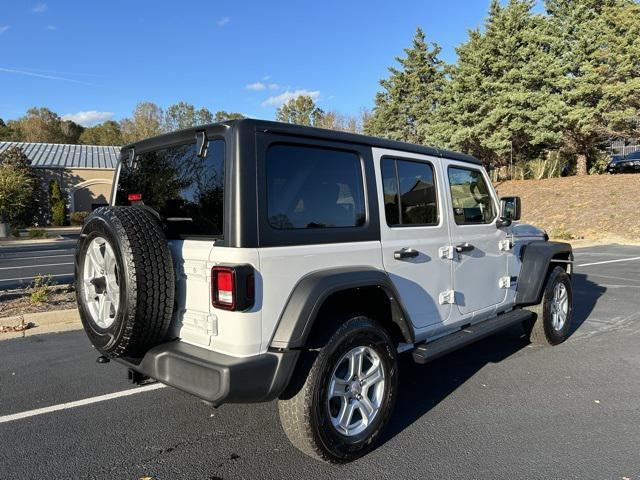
[(595, 207)]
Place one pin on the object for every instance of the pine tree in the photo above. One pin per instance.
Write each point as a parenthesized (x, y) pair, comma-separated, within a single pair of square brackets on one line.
[(410, 96), (503, 97), (601, 68), (57, 204)]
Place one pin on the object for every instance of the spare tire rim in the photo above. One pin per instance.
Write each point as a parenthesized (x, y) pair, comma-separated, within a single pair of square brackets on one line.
[(559, 306), (101, 283), (356, 390)]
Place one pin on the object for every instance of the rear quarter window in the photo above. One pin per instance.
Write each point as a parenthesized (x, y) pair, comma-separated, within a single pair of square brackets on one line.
[(312, 188)]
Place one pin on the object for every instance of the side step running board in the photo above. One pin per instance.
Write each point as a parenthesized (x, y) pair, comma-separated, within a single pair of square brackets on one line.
[(426, 352)]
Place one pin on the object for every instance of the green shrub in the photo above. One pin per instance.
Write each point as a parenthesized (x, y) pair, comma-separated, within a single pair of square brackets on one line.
[(599, 163), (40, 288), (78, 218), (37, 233), (15, 232), (561, 234)]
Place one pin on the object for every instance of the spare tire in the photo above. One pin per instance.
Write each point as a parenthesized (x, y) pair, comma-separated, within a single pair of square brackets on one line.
[(125, 283)]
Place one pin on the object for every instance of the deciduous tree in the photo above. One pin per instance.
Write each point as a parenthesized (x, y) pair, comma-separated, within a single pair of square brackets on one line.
[(18, 188), (106, 133), (301, 110), (147, 121)]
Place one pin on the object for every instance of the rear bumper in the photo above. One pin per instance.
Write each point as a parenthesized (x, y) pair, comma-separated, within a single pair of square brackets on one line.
[(215, 377)]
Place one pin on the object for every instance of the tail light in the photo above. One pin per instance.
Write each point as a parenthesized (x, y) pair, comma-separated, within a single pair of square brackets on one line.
[(233, 287)]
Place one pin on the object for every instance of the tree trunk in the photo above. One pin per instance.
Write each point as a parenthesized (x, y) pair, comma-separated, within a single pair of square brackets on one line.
[(581, 164)]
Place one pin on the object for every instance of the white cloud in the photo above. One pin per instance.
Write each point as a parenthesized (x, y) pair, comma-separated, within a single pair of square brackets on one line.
[(284, 97), (256, 87), (223, 21), (3, 28), (39, 8), (88, 118), (51, 27)]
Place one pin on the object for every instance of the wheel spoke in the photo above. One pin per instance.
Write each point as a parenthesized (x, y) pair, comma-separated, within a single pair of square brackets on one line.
[(109, 260), (373, 376), (338, 387), (366, 408), (355, 363), (346, 414), (113, 296), (95, 255), (102, 310)]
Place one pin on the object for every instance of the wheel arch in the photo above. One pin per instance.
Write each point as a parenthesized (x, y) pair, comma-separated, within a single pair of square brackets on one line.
[(538, 259), (324, 290)]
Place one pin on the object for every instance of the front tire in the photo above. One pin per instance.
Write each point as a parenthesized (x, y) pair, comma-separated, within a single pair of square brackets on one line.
[(552, 322), (347, 396)]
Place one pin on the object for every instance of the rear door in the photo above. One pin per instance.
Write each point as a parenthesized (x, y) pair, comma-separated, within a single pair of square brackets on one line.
[(413, 229), (479, 263)]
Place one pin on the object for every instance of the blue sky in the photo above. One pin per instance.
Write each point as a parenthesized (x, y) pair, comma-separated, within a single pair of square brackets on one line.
[(96, 60)]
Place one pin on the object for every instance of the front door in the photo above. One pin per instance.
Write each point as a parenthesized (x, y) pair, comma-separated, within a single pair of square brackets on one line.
[(479, 263), (413, 229)]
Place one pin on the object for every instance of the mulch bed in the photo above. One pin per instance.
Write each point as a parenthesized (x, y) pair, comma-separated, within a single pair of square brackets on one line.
[(17, 302)]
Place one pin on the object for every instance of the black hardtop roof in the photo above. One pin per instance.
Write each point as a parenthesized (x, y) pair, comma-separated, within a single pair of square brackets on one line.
[(256, 125)]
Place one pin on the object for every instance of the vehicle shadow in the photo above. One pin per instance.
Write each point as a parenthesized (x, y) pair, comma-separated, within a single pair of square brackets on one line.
[(422, 387), (585, 297)]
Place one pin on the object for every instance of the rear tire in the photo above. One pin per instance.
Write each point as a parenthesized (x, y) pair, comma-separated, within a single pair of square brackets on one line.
[(125, 283), (338, 414), (552, 322)]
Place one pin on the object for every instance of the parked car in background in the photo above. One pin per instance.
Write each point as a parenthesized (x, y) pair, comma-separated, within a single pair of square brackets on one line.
[(629, 163)]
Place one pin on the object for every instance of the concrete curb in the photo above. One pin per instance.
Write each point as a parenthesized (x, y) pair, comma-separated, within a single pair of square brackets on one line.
[(45, 322)]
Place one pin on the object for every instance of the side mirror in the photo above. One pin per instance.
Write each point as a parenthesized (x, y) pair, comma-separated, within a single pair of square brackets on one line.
[(510, 208)]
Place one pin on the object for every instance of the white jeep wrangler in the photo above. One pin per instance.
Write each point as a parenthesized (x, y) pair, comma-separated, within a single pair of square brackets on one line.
[(248, 261)]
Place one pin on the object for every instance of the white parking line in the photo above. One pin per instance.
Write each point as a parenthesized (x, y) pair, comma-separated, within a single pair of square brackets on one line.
[(609, 261), (34, 245), (80, 403), (29, 278), (33, 258), (36, 266), (48, 251)]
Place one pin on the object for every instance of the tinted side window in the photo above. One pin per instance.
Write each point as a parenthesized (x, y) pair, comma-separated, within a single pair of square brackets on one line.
[(472, 202), (186, 190), (313, 188), (409, 193)]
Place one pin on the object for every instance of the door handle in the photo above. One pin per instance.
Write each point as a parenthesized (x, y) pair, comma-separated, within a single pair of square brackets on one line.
[(464, 247), (404, 253)]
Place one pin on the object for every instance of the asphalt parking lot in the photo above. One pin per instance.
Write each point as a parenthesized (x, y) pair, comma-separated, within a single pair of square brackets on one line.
[(500, 409), (19, 264)]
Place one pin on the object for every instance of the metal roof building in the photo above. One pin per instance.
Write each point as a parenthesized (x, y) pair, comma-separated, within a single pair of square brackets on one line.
[(85, 172), (56, 155)]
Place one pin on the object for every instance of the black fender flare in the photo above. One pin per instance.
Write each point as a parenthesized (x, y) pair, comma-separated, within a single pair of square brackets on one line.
[(536, 259), (306, 299)]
